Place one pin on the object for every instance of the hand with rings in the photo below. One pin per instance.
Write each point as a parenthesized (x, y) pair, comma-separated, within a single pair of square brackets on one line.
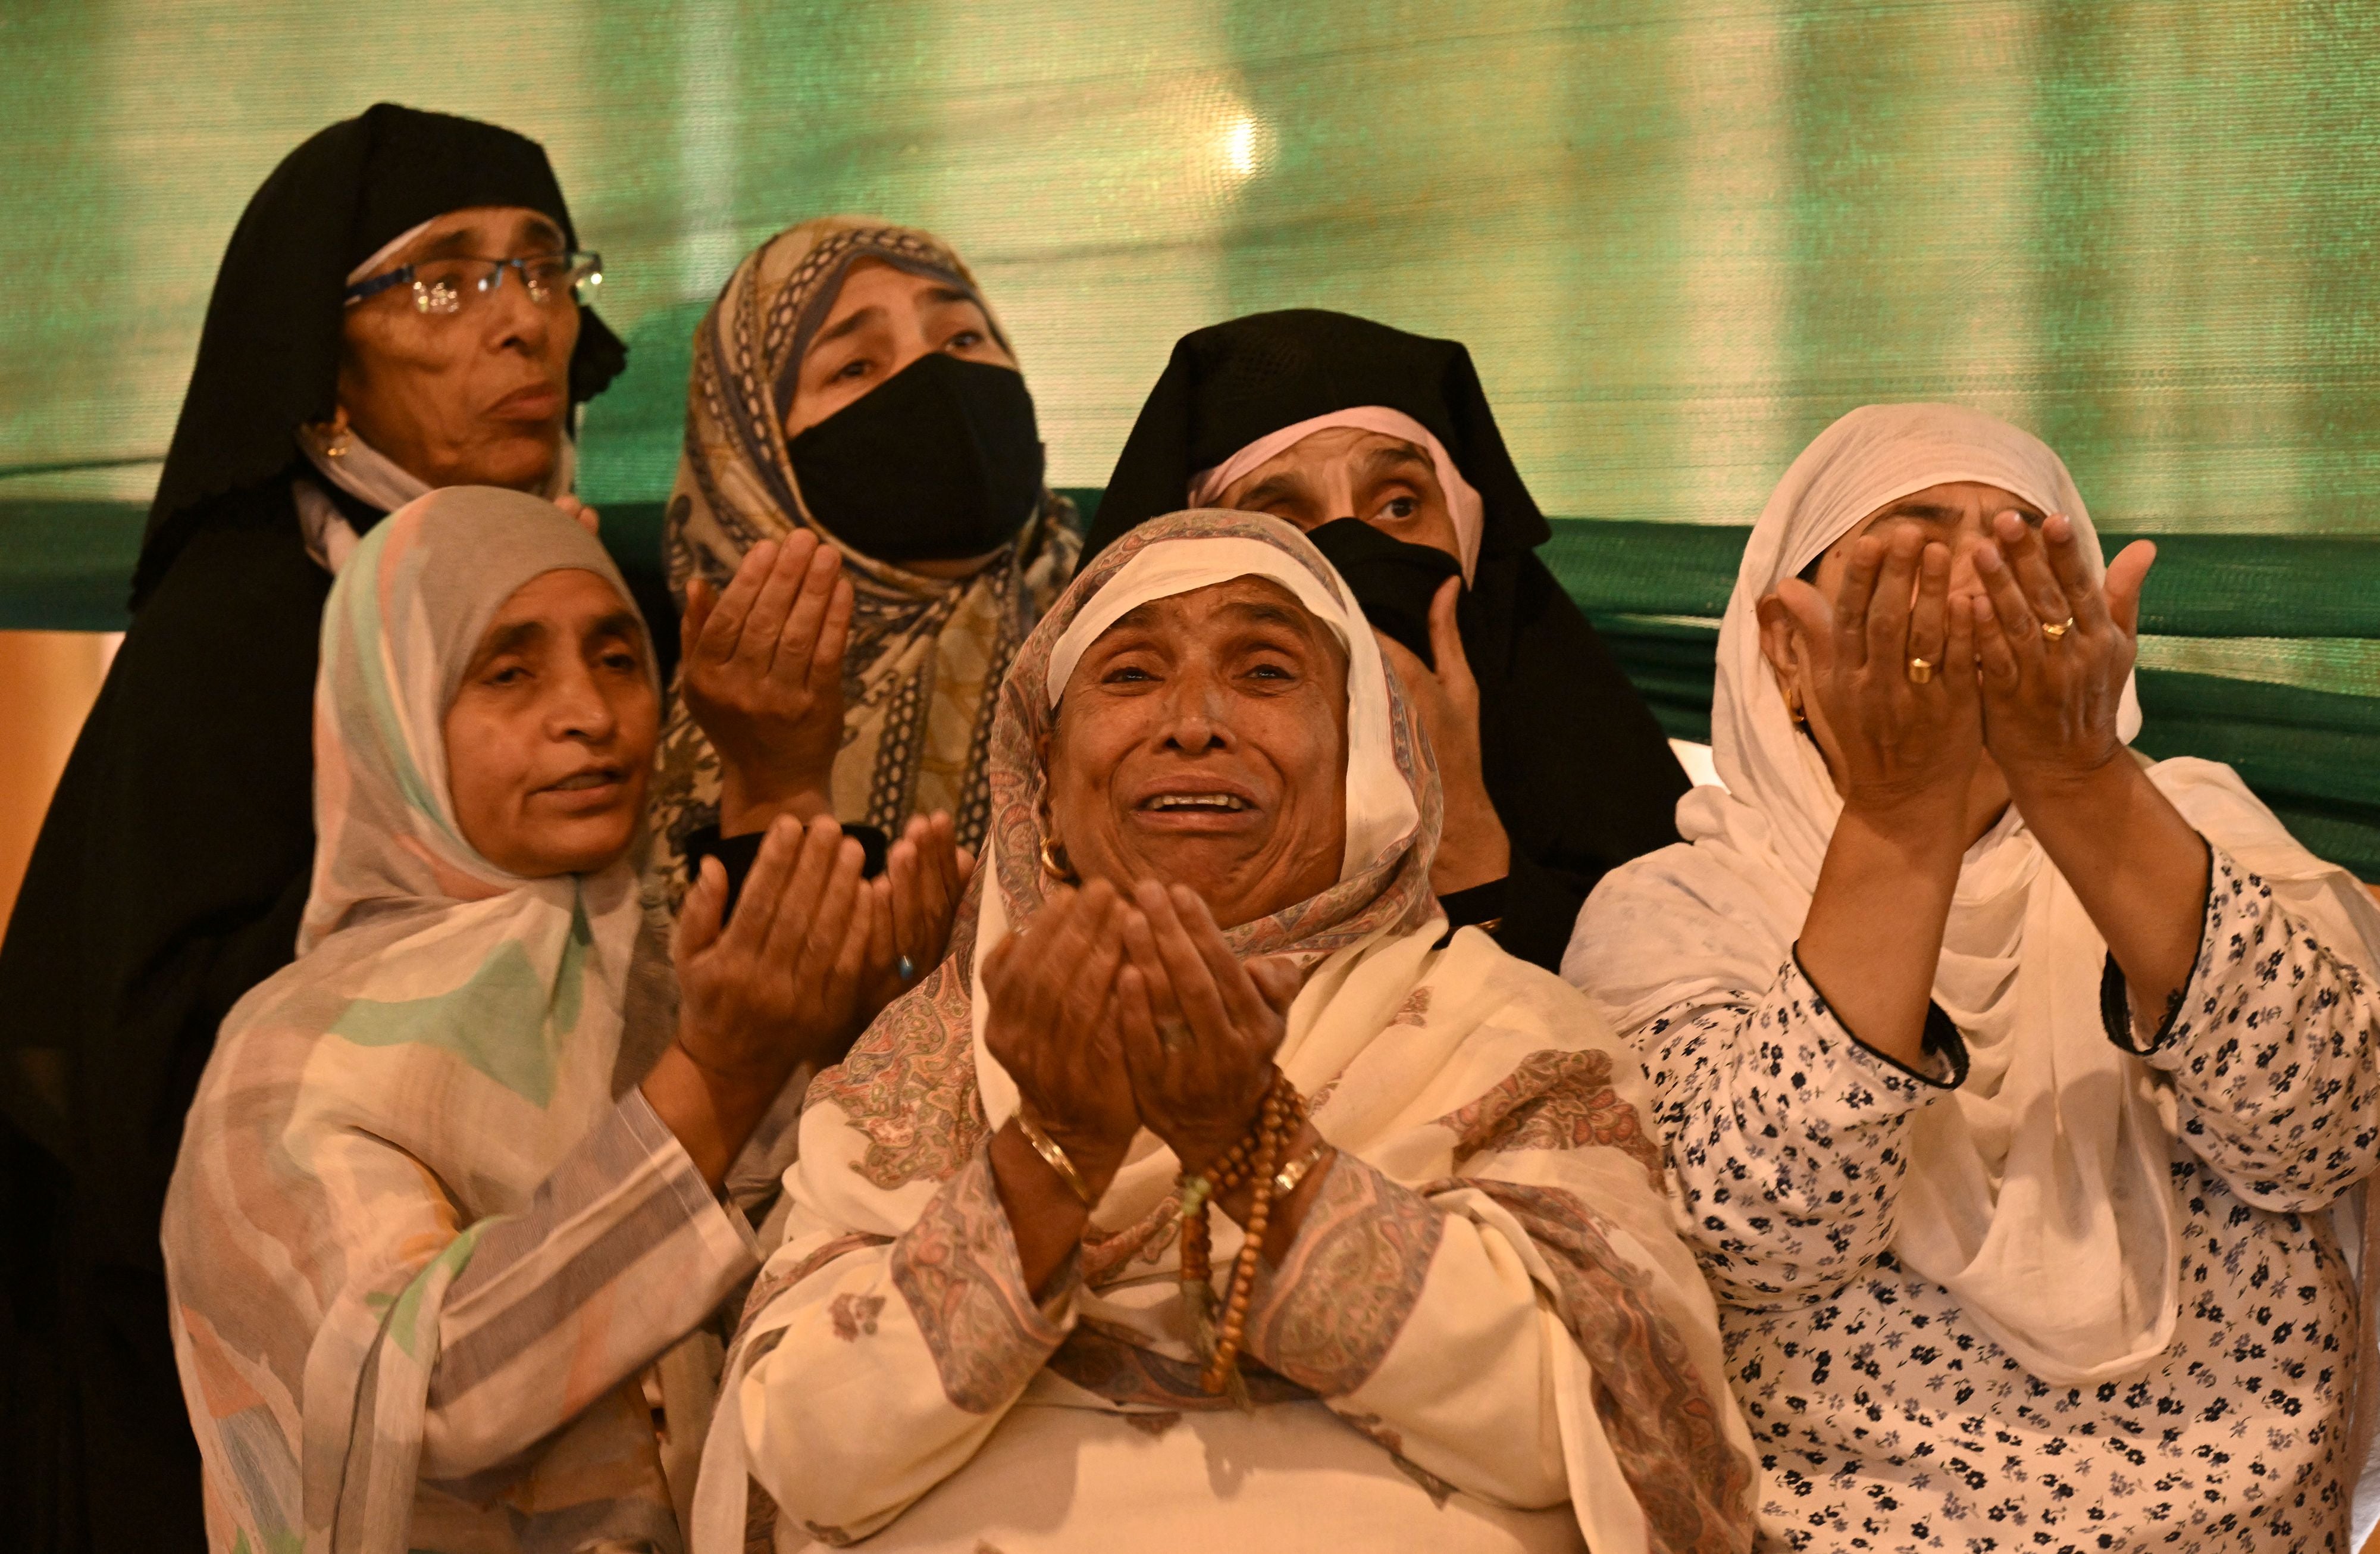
[(1885, 661), (2055, 648)]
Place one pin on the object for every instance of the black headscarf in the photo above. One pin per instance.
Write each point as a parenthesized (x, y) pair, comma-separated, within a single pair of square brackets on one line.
[(172, 865), (269, 356), (1580, 773)]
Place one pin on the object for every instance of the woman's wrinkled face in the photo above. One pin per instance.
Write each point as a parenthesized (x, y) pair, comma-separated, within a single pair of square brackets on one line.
[(476, 398), (1956, 515), (882, 320), (1345, 472), (550, 738), (1202, 740)]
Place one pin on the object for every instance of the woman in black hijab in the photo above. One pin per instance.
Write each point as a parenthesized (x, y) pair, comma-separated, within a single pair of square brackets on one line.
[(1380, 446), (396, 311)]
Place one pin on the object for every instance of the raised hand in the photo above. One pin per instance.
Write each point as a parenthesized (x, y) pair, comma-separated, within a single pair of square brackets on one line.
[(915, 900), (1050, 988), (778, 983), (1473, 847), (1895, 704), (2056, 648), (2050, 705), (1199, 1028), (772, 989), (763, 677), (1894, 682)]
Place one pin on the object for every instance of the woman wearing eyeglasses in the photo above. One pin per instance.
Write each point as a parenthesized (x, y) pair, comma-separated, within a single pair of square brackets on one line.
[(399, 310)]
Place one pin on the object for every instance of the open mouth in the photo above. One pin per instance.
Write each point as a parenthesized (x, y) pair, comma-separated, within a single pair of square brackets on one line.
[(580, 782), (1198, 803)]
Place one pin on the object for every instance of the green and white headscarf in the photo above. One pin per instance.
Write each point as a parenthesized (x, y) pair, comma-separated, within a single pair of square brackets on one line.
[(447, 1033)]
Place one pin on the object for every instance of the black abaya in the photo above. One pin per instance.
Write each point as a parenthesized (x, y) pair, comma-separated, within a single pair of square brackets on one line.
[(1579, 771), (174, 864)]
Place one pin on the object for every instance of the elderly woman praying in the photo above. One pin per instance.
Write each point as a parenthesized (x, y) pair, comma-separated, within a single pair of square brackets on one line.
[(452, 1182), (1208, 1195), (2004, 1076)]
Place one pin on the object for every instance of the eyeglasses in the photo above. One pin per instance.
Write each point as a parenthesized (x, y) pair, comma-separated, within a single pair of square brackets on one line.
[(446, 286)]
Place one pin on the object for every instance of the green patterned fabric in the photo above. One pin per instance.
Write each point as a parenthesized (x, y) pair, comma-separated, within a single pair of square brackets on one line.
[(1679, 236)]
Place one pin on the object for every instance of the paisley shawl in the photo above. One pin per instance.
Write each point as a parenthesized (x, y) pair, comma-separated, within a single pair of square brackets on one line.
[(1476, 1084)]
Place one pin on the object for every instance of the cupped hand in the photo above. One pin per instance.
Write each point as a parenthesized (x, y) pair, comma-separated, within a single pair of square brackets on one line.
[(1052, 991), (915, 900), (1896, 739), (2050, 705), (763, 677), (1199, 1028), (1473, 847), (777, 985)]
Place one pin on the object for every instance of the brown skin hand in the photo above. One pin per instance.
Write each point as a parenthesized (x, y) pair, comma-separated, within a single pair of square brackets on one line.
[(479, 398), (549, 747), (1962, 575), (1233, 698)]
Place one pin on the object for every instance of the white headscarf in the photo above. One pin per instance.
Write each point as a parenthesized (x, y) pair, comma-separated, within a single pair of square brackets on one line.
[(2038, 1192), (1381, 814), (1462, 501)]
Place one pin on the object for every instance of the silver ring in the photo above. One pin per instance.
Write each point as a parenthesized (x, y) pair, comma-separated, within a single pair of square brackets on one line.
[(907, 968)]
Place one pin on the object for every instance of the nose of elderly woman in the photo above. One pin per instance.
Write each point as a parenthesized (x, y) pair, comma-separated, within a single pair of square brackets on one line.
[(1195, 719)]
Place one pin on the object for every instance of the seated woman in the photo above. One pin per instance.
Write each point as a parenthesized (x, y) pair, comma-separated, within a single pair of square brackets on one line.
[(861, 454), (2004, 1077), (450, 1184), (1381, 446), (396, 311), (1207, 989)]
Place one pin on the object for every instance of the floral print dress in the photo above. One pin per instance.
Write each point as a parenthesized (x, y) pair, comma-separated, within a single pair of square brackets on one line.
[(1885, 1420)]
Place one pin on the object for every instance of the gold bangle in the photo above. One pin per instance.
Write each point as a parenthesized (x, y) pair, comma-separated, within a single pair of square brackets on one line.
[(1047, 1148), (1295, 1172)]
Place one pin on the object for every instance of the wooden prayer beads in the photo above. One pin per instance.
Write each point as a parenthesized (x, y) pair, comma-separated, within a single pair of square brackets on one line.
[(1253, 1160)]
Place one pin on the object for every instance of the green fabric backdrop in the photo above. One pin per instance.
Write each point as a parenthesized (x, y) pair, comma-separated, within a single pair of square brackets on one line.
[(1679, 234)]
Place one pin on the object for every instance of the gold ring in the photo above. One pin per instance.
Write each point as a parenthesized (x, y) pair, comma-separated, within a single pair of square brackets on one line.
[(1920, 670), (2053, 629)]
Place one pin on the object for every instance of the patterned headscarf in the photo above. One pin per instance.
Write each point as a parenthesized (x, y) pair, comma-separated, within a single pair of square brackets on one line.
[(1457, 1070), (922, 673)]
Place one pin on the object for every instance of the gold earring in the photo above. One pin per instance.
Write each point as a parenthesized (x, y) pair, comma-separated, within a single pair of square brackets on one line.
[(1056, 864), (1793, 710)]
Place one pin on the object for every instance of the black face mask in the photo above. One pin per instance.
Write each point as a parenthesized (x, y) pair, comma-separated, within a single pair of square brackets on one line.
[(1393, 580), (942, 462)]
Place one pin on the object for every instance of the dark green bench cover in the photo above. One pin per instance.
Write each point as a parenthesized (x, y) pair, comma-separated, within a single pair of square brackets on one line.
[(1655, 590)]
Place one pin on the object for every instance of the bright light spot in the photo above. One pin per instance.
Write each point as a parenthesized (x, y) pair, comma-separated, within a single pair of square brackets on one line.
[(1240, 145)]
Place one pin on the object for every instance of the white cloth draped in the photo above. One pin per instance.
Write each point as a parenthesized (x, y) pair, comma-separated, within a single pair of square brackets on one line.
[(2038, 1191)]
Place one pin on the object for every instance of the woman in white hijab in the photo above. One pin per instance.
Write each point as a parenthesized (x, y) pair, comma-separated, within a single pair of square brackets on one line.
[(2002, 1075)]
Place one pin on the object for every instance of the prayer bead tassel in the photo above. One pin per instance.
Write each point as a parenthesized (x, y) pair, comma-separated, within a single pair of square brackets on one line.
[(1255, 1160)]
